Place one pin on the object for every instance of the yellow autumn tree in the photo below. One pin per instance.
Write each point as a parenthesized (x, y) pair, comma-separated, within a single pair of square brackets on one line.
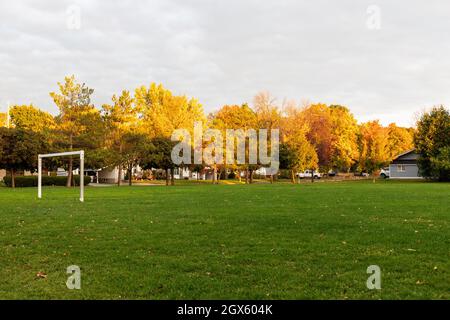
[(28, 117), (268, 116), (400, 140), (121, 119), (234, 117), (162, 112), (344, 144)]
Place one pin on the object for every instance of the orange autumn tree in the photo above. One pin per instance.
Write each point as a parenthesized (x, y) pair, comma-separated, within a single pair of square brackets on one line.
[(320, 134), (296, 152), (373, 147), (333, 132), (2, 119)]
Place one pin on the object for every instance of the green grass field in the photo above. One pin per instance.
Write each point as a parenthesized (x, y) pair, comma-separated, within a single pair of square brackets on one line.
[(309, 241)]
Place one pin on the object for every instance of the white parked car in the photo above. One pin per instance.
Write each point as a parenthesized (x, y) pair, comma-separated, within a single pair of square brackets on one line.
[(385, 173), (308, 174)]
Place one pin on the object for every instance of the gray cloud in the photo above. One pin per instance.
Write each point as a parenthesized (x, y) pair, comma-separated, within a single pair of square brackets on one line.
[(224, 52)]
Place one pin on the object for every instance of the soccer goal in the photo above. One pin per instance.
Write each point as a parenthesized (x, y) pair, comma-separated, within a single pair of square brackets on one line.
[(62, 154)]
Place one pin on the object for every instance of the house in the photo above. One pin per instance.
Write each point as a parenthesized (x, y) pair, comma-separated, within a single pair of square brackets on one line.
[(185, 173), (405, 166), (110, 175)]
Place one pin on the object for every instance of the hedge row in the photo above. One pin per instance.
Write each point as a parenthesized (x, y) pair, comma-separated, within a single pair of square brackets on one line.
[(32, 181)]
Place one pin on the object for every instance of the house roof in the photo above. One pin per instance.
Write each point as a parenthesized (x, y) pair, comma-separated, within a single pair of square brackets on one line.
[(405, 153), (406, 157)]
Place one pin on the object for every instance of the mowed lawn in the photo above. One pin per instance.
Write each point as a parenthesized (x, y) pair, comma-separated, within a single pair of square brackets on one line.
[(309, 241)]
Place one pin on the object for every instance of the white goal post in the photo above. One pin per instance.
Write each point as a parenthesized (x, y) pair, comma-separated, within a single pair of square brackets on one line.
[(61, 154)]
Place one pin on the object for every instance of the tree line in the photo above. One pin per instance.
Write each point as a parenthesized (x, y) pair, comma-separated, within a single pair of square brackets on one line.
[(134, 128)]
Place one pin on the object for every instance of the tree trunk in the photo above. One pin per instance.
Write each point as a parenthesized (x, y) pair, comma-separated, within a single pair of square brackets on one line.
[(172, 178), (214, 177), (130, 177), (312, 175), (239, 175), (271, 179), (167, 177), (119, 176), (292, 176), (251, 176), (13, 178), (70, 173), (119, 180), (246, 176)]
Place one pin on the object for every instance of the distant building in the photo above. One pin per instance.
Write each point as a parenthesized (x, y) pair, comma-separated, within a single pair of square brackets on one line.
[(405, 166), (110, 175)]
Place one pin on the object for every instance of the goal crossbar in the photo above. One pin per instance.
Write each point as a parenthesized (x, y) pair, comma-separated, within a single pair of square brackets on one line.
[(62, 154)]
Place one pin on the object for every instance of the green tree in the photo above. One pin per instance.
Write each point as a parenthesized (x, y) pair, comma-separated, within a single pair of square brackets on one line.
[(19, 150), (78, 121), (297, 155), (135, 147), (432, 142), (286, 157), (441, 163), (158, 155)]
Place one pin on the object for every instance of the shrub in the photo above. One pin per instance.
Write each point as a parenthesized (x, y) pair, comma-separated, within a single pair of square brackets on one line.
[(32, 181), (258, 176), (284, 174), (223, 175), (232, 175)]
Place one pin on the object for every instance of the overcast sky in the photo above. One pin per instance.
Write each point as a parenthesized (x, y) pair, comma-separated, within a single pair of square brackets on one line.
[(383, 59)]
